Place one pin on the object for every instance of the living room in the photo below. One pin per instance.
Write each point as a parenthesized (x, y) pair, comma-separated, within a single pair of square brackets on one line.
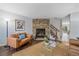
[(30, 27), (9, 22)]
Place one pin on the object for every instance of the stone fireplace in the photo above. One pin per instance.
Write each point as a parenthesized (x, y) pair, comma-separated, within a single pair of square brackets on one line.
[(40, 27)]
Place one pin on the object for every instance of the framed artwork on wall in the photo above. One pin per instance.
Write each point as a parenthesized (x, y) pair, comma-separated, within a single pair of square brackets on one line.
[(19, 25)]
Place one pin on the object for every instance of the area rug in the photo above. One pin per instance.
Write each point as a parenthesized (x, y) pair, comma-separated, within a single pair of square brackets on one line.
[(40, 50)]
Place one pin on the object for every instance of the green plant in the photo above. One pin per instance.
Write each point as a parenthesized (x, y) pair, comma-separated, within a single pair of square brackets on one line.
[(46, 39), (66, 28)]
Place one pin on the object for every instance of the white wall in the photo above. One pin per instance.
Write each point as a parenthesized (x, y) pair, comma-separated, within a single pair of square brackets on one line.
[(74, 32), (11, 24), (2, 32)]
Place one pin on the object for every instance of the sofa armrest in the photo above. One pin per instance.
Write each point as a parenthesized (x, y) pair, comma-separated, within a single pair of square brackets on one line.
[(12, 42), (29, 36)]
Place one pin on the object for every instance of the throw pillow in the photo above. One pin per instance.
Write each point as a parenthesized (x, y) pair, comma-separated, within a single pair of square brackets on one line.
[(22, 36)]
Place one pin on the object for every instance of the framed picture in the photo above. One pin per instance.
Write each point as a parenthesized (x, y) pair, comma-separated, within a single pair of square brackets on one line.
[(19, 25)]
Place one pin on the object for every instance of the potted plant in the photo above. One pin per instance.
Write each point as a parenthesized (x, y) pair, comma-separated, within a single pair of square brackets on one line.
[(46, 40)]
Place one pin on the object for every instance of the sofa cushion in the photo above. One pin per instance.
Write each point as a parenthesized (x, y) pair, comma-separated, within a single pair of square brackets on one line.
[(22, 36)]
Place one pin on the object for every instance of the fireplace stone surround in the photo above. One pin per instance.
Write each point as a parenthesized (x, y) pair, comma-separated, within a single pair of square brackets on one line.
[(40, 25)]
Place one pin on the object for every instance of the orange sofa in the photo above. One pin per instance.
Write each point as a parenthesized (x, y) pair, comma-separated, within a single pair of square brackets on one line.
[(14, 42)]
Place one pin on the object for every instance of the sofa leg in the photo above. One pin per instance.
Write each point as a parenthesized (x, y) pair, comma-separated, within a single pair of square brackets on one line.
[(30, 42), (9, 47)]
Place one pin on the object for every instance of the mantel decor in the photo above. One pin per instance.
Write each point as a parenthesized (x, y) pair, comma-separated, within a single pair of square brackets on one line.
[(19, 25)]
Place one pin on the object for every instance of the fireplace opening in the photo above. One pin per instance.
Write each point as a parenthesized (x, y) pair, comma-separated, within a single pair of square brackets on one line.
[(40, 33)]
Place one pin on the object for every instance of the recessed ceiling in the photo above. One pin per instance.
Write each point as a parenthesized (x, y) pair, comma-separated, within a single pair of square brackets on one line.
[(41, 9)]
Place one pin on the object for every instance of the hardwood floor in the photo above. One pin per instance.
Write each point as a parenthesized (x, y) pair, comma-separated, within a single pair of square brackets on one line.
[(5, 51)]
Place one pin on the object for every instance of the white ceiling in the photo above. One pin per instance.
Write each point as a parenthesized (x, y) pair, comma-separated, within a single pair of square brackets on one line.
[(41, 9)]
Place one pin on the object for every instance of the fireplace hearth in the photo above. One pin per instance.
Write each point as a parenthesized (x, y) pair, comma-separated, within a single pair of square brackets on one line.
[(40, 33)]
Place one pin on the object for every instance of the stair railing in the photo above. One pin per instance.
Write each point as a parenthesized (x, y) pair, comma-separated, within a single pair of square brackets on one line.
[(54, 29)]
